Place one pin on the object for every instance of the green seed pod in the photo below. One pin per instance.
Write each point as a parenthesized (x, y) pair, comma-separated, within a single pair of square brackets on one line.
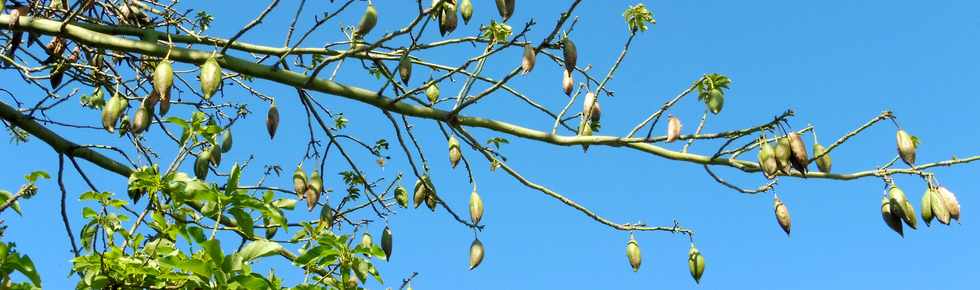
[(226, 141), (782, 215), (695, 262), (272, 121), (892, 220), (124, 126), (142, 117), (432, 92), (898, 201), (906, 146), (454, 153), (299, 181), (201, 164), (530, 57), (633, 253), (420, 193), (405, 68), (716, 101), (366, 241), (163, 78), (312, 196), (570, 53), (401, 196), (431, 201), (368, 21), (466, 10), (210, 77), (926, 205), (476, 208), (316, 181), (939, 207), (112, 110), (386, 243), (476, 253), (327, 216), (783, 153), (909, 211), (767, 159), (823, 162), (215, 156)]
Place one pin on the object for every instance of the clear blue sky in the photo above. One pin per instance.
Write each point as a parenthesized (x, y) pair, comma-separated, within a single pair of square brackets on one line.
[(837, 63)]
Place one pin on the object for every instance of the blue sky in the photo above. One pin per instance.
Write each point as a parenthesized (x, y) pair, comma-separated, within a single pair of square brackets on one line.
[(836, 63)]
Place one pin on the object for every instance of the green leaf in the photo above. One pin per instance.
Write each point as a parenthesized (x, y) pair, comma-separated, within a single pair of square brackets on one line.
[(258, 249), (32, 178), (213, 249), (89, 213), (244, 221), (232, 186)]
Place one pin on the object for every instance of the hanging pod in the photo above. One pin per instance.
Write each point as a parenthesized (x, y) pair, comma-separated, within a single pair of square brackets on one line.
[(505, 8), (695, 263), (673, 128), (476, 253), (405, 68), (466, 10), (368, 21), (906, 146), (529, 58), (401, 196), (210, 77), (454, 153), (767, 159), (299, 181), (112, 110), (633, 253), (386, 243), (476, 208), (272, 120), (782, 215)]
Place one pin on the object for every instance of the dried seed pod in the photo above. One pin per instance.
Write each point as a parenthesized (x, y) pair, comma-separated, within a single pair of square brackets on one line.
[(823, 162), (899, 206), (567, 82), (201, 164), (401, 196), (58, 74), (673, 128), (54, 48), (226, 141), (476, 208), (476, 253), (466, 10), (299, 181), (798, 157), (210, 77), (447, 18), (432, 92), (952, 204), (386, 243), (505, 8), (590, 108), (695, 263), (633, 253), (906, 146), (423, 191), (570, 53), (926, 205), (454, 153), (316, 182), (405, 68), (715, 101), (272, 120), (530, 56), (767, 159), (891, 219), (111, 112), (783, 153), (312, 196), (163, 79), (782, 215), (368, 21)]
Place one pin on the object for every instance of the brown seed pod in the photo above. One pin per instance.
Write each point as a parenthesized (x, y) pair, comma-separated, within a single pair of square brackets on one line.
[(782, 215), (633, 253), (567, 82), (906, 146), (405, 68), (767, 159), (54, 48), (447, 19), (893, 221), (695, 263), (401, 196), (210, 77), (272, 121), (823, 162), (476, 208), (476, 253), (299, 181), (530, 56), (673, 128), (570, 53), (386, 243), (312, 197), (798, 157), (454, 153), (368, 21), (952, 204), (327, 216), (505, 8), (57, 74)]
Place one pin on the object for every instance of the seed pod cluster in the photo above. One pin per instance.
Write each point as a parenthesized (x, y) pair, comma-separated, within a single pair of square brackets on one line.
[(767, 159), (386, 243), (272, 120), (368, 21), (673, 128), (505, 8), (823, 162), (210, 77), (695, 263), (476, 208), (529, 58), (906, 146), (424, 193), (401, 196), (782, 215), (633, 253), (941, 204), (476, 253), (454, 153), (112, 110)]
